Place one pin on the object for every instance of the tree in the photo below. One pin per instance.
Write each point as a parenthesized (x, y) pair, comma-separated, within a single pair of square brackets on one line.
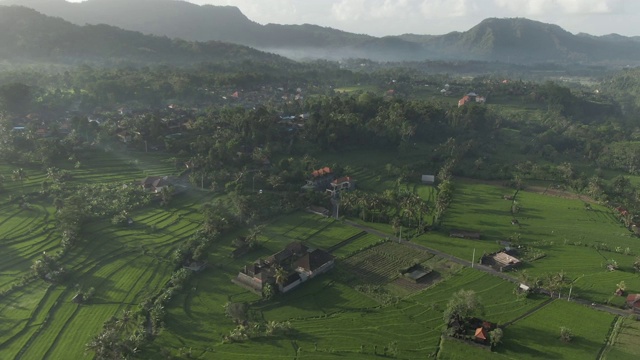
[(636, 264), (621, 286), (268, 292), (566, 335), (236, 311), (495, 337), (462, 305), (20, 175), (280, 275), (166, 193), (275, 181)]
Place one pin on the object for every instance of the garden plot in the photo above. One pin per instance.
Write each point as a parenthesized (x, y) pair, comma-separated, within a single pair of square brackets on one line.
[(381, 264)]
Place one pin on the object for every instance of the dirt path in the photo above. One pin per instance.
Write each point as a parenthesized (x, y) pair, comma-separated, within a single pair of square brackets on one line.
[(530, 312)]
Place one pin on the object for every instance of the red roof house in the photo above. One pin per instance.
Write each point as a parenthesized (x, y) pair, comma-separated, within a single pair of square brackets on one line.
[(633, 300), (481, 334)]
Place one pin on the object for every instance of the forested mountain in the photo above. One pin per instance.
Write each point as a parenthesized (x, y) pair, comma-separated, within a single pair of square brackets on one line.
[(510, 40), (28, 35)]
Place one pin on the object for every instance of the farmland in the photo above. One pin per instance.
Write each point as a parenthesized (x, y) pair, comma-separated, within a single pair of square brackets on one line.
[(623, 343), (335, 315), (573, 239), (332, 320), (122, 263)]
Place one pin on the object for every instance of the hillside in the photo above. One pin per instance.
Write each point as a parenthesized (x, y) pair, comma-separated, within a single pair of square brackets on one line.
[(28, 35), (521, 40), (515, 40)]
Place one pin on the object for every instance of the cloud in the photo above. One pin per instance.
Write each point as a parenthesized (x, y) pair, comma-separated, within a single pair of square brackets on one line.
[(349, 10), (393, 9), (435, 9), (260, 11), (541, 7)]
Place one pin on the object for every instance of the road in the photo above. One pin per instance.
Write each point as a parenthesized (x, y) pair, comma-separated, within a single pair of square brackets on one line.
[(479, 267)]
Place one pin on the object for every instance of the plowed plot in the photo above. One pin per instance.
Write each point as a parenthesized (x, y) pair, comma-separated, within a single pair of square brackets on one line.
[(380, 264), (412, 286)]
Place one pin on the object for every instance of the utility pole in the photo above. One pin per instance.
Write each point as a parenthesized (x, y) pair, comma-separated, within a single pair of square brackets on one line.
[(400, 238), (570, 289), (473, 258)]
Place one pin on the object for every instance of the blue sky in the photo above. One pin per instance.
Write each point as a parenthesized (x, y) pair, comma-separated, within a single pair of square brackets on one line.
[(392, 17)]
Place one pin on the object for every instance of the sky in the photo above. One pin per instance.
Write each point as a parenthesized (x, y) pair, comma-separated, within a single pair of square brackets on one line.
[(393, 17)]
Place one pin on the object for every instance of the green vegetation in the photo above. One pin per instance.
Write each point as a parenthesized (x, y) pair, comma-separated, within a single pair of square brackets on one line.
[(239, 169), (622, 342)]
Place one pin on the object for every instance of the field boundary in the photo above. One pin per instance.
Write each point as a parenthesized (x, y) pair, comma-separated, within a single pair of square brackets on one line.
[(530, 312)]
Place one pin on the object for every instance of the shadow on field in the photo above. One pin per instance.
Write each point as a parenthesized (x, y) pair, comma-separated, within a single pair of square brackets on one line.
[(517, 340)]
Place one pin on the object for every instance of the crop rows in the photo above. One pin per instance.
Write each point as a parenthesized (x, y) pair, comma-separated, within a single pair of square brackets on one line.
[(380, 264)]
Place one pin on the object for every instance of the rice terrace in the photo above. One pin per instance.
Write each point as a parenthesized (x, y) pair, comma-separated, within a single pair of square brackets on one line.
[(405, 197)]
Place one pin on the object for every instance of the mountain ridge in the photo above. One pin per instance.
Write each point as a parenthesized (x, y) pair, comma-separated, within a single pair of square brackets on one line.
[(516, 40), (26, 34)]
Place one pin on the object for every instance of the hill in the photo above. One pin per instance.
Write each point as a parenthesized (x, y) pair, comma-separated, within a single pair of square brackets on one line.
[(521, 40), (28, 35), (515, 40)]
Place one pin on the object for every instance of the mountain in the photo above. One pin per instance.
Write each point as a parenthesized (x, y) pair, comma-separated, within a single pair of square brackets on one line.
[(521, 40), (184, 20), (28, 35), (515, 40)]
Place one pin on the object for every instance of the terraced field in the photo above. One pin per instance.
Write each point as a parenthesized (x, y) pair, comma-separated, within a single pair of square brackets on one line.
[(560, 228), (331, 320), (122, 263)]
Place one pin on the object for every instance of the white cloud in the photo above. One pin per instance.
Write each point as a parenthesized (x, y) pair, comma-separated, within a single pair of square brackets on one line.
[(393, 9), (349, 10), (541, 7), (434, 9)]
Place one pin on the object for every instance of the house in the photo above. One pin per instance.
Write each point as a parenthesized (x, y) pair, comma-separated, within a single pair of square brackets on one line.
[(471, 97), (155, 184), (318, 210), (416, 273), (464, 234), (78, 299), (300, 263), (633, 301), (465, 99), (428, 179), (314, 263), (503, 261), (343, 183), (255, 276), (319, 180), (481, 335)]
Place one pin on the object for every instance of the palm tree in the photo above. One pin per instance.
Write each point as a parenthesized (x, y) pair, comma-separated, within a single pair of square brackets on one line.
[(275, 181), (20, 175), (166, 193), (280, 276)]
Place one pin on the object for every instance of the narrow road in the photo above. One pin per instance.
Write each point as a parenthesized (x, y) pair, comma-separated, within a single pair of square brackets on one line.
[(479, 267)]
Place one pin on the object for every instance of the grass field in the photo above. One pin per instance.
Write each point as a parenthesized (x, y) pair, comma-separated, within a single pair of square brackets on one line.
[(559, 227), (624, 342), (330, 319), (122, 263), (538, 336)]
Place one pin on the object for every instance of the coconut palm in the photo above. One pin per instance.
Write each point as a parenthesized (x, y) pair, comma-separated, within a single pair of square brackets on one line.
[(280, 275), (20, 175)]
